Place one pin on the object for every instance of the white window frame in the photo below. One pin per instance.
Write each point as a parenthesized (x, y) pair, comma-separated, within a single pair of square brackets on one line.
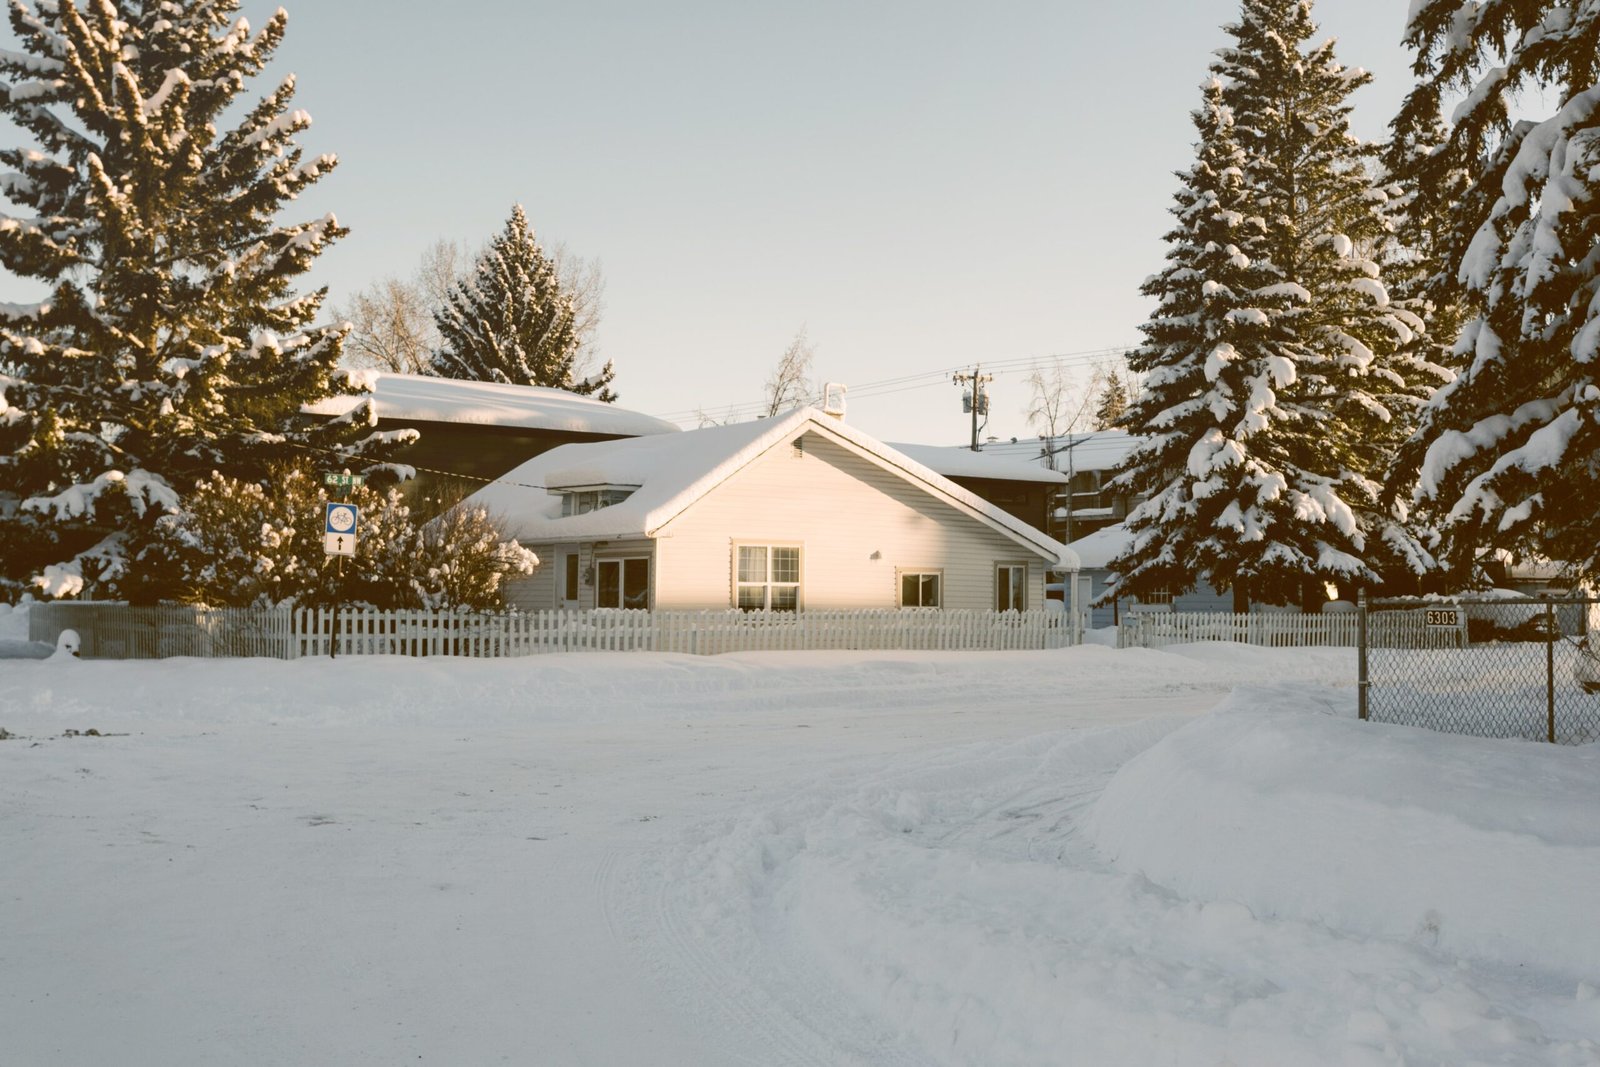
[(1157, 600), (1001, 568), (902, 573), (583, 501), (622, 572), (768, 584)]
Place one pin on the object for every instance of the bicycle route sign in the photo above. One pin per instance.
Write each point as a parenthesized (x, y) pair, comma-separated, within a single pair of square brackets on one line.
[(342, 523)]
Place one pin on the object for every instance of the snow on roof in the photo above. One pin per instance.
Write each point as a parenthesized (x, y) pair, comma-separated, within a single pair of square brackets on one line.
[(1097, 451), (425, 399), (1097, 550), (959, 461), (674, 470)]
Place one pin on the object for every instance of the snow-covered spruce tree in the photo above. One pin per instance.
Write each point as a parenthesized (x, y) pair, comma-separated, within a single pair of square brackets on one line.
[(511, 321), (1510, 450), (1112, 401), (1224, 497), (1421, 216), (171, 342), (1268, 476), (1364, 365)]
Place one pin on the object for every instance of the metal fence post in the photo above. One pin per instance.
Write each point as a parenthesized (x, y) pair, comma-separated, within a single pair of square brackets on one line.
[(1550, 669), (1361, 655)]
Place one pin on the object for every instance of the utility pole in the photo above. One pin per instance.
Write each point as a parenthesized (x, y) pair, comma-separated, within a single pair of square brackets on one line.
[(976, 399)]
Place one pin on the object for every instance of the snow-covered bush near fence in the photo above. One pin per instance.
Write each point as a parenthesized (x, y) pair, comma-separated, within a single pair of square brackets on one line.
[(237, 543)]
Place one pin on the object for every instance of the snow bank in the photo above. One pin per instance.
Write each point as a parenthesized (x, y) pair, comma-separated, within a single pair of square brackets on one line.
[(1472, 847), (959, 901)]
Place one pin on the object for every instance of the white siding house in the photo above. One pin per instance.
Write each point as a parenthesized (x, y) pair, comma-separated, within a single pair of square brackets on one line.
[(787, 513)]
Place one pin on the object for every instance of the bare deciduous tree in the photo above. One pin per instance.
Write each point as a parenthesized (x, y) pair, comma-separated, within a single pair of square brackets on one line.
[(441, 268), (585, 286), (1057, 406), (790, 385), (391, 327)]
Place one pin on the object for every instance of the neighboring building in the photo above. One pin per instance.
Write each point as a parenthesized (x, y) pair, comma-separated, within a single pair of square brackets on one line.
[(1095, 553), (794, 512), (1025, 489), (1074, 472), (473, 431)]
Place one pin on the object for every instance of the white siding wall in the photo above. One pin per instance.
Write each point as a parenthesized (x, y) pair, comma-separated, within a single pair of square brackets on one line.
[(842, 509)]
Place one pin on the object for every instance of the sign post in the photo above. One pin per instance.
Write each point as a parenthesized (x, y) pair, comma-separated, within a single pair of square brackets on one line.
[(341, 525)]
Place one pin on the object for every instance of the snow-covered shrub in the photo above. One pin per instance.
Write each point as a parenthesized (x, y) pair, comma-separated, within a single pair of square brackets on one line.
[(465, 559), (238, 543)]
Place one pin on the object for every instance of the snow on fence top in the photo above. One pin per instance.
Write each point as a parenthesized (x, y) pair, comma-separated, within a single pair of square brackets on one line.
[(416, 397)]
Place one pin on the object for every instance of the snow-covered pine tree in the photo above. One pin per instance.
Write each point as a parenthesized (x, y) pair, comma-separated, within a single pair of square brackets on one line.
[(510, 320), (1363, 364), (1223, 497), (1512, 446), (1112, 402), (171, 341)]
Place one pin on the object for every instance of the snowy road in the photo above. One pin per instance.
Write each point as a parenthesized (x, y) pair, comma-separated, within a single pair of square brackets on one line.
[(627, 859)]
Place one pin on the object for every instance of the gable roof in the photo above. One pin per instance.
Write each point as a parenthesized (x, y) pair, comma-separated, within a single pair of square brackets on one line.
[(673, 471), (960, 461), (419, 398)]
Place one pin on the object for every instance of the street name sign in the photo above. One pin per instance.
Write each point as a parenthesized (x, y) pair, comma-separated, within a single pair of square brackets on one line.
[(344, 481)]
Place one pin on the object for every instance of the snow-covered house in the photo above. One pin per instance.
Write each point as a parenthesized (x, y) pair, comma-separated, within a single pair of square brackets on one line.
[(1071, 493), (795, 512), (471, 431)]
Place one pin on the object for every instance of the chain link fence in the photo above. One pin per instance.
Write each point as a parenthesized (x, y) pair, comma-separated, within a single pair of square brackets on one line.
[(1519, 667)]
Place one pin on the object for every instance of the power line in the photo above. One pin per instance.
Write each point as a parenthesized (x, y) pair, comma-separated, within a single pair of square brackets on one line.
[(910, 382)]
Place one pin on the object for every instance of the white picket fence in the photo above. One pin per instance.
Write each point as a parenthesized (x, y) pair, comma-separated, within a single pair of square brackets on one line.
[(358, 632), (1386, 629)]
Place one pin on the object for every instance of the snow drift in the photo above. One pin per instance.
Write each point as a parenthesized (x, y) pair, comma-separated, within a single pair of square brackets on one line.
[(1472, 847)]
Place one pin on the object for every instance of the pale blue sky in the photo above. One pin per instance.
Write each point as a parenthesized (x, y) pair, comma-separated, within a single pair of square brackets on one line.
[(923, 185)]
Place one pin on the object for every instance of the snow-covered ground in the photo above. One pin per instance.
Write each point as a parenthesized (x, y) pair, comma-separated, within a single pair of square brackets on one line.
[(1091, 856)]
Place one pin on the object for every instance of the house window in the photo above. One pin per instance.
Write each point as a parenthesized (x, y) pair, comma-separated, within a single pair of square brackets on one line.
[(622, 583), (921, 589), (583, 501), (767, 577), (1011, 587), (1157, 596)]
